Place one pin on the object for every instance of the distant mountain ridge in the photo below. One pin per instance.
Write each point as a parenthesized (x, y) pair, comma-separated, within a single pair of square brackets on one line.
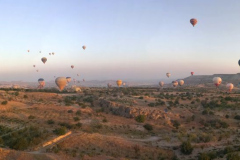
[(203, 79)]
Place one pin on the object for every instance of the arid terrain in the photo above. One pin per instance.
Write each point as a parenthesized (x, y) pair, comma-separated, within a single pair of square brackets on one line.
[(120, 123)]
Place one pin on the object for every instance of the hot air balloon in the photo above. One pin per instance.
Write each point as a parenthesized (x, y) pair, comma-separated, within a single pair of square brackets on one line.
[(168, 75), (34, 65), (174, 83), (239, 62), (50, 54), (84, 47), (72, 66), (44, 60), (68, 79), (217, 81), (37, 70), (230, 87), (15, 86), (124, 84), (83, 80), (180, 82), (53, 53), (119, 83), (61, 82), (161, 83), (41, 83), (193, 21), (77, 74), (192, 73), (28, 50), (40, 52), (109, 85)]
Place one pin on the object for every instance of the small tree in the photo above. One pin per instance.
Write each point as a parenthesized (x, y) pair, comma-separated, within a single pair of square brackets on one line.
[(140, 118), (186, 148), (148, 127)]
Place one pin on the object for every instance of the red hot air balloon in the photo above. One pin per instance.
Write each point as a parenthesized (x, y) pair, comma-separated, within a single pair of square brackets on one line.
[(192, 73), (193, 21)]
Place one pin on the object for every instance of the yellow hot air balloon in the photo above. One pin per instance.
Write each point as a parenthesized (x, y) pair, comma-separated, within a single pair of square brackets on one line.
[(230, 87), (168, 75), (181, 82), (84, 47), (161, 83), (119, 83), (44, 60), (61, 82)]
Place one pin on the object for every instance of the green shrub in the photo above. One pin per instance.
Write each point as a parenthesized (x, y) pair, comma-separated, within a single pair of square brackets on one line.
[(148, 127), (237, 117), (70, 111), (186, 148), (140, 118), (50, 121), (25, 96), (4, 102), (60, 131), (78, 113), (31, 117), (76, 118)]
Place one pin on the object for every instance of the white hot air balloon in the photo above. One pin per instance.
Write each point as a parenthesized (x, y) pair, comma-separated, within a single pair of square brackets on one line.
[(217, 81), (181, 82), (168, 75), (230, 87), (161, 83)]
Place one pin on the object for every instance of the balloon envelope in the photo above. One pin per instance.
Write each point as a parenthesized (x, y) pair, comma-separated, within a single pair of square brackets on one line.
[(61, 82), (68, 79), (193, 21), (119, 83), (161, 83), (217, 81), (174, 83), (84, 47), (44, 60), (230, 87), (168, 75), (192, 73), (72, 66), (181, 82)]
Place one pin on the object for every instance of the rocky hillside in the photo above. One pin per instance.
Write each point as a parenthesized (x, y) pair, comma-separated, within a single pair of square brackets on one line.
[(204, 79)]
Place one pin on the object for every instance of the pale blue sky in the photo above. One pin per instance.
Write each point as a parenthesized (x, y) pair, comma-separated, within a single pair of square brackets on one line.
[(125, 39)]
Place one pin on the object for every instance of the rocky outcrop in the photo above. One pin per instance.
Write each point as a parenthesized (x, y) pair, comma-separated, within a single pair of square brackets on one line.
[(131, 112)]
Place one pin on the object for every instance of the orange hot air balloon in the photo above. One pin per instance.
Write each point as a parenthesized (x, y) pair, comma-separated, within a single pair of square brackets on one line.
[(174, 83), (61, 82), (119, 83), (193, 21), (44, 60), (84, 47), (192, 73)]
